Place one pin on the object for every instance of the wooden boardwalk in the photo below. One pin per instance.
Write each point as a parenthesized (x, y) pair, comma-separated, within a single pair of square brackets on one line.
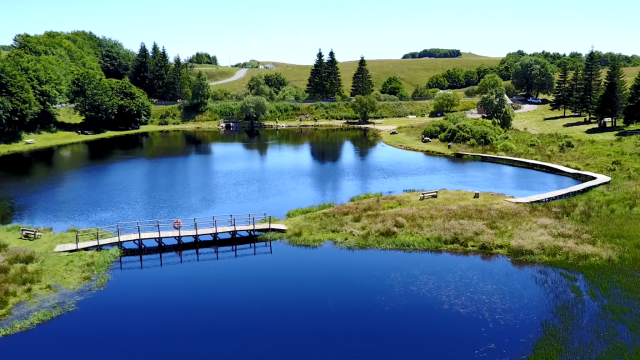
[(590, 179), (139, 231)]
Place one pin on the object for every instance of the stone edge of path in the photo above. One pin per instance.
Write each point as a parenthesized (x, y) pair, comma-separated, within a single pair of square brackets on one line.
[(590, 179)]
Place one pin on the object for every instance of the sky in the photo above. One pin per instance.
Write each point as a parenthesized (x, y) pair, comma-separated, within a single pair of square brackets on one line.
[(293, 31)]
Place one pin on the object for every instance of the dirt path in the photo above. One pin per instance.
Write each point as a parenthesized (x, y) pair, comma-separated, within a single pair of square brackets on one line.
[(473, 114), (239, 75)]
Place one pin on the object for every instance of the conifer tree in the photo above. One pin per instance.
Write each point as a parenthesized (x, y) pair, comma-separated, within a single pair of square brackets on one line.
[(334, 81), (140, 71), (362, 83), (158, 72), (632, 111), (177, 81), (612, 101), (575, 92), (561, 94), (591, 83), (317, 84)]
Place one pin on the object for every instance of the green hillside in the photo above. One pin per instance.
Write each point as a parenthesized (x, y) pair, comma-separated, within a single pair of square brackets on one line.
[(214, 72), (409, 71)]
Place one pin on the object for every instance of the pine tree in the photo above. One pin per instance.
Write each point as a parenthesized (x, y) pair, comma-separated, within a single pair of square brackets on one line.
[(362, 83), (158, 72), (632, 111), (575, 92), (591, 83), (177, 81), (140, 71), (317, 84), (561, 94), (612, 101), (334, 81)]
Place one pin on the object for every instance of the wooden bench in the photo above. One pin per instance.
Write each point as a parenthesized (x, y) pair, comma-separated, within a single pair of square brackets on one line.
[(26, 233), (429, 194)]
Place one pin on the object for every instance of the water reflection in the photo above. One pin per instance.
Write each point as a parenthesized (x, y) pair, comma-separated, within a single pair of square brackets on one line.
[(174, 174)]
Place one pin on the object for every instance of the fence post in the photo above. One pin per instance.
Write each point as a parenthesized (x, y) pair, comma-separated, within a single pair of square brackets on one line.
[(119, 242), (98, 237), (77, 239), (234, 225), (254, 225), (215, 225), (139, 234), (159, 234), (195, 226), (269, 222)]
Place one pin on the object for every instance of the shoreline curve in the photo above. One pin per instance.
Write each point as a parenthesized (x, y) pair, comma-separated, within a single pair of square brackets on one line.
[(590, 180)]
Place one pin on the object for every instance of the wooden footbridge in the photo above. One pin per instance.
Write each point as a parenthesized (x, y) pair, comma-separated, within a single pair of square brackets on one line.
[(138, 231)]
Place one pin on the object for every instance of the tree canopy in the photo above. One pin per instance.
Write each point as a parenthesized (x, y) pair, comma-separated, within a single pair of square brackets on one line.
[(632, 111), (612, 102), (364, 105), (433, 53), (393, 86), (533, 76)]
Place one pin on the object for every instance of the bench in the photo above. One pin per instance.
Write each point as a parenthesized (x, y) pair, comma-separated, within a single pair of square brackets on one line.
[(26, 233), (429, 194)]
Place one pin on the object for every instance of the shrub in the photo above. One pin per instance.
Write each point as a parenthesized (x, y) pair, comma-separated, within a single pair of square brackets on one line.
[(309, 210), (220, 94), (446, 101), (471, 92), (566, 144), (507, 147), (510, 90), (458, 128), (534, 141)]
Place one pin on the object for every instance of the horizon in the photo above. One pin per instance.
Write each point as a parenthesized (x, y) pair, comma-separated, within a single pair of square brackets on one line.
[(284, 33)]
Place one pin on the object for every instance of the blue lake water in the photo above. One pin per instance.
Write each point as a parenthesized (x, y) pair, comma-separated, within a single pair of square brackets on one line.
[(286, 302), (192, 174)]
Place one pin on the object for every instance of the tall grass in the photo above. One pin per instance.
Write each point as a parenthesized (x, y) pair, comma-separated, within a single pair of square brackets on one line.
[(309, 210)]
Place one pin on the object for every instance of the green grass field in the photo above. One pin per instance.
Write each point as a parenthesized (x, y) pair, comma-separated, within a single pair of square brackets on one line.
[(215, 73), (410, 71)]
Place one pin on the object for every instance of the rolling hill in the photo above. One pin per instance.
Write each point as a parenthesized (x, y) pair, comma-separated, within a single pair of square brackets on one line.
[(409, 71)]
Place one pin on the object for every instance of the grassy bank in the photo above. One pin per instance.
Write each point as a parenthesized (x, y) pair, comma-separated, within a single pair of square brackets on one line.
[(30, 268)]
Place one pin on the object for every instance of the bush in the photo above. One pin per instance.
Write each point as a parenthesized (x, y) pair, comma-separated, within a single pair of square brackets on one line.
[(220, 95), (534, 141), (446, 101), (566, 144), (459, 129), (471, 92), (510, 90), (384, 97), (507, 147)]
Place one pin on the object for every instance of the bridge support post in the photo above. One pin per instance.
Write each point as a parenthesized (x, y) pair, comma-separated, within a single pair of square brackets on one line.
[(119, 242)]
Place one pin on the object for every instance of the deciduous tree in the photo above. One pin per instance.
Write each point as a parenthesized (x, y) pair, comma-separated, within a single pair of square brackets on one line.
[(488, 83), (446, 101), (200, 92), (533, 75), (364, 105), (254, 107)]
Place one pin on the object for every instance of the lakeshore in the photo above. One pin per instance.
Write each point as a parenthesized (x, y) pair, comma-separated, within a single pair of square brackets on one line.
[(587, 245)]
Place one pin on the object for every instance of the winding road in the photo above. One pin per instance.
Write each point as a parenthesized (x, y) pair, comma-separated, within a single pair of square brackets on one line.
[(239, 75)]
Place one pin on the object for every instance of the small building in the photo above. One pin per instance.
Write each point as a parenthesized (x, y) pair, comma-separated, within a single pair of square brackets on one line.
[(270, 66)]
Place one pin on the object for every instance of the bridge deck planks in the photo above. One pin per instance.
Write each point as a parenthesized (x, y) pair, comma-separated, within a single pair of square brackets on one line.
[(168, 234)]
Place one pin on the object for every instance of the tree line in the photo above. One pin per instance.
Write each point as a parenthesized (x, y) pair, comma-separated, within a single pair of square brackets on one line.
[(203, 58), (585, 92), (433, 53), (574, 60), (110, 85)]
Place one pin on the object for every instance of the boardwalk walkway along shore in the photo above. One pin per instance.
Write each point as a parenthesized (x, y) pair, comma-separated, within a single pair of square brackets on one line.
[(591, 180), (138, 231)]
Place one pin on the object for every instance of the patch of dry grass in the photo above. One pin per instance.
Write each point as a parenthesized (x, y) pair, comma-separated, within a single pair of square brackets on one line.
[(454, 221)]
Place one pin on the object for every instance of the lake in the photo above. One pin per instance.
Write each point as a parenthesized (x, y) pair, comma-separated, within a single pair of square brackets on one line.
[(285, 302)]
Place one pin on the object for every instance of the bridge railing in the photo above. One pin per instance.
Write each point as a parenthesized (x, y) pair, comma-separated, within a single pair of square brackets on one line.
[(175, 225)]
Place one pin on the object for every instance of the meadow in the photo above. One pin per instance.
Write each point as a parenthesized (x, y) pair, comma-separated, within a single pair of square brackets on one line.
[(411, 72)]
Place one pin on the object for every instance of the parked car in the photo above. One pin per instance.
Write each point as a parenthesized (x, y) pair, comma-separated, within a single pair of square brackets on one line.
[(534, 100), (519, 98)]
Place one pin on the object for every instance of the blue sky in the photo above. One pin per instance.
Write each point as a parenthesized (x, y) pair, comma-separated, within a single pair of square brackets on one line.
[(292, 31)]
